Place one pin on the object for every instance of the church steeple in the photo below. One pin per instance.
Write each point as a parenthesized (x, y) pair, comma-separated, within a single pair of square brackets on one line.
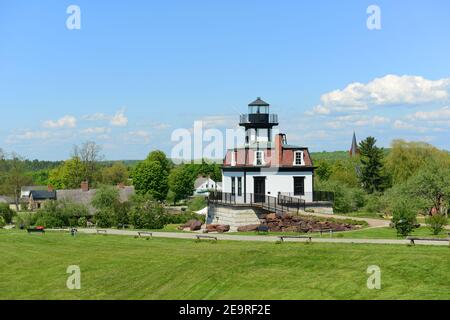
[(354, 150)]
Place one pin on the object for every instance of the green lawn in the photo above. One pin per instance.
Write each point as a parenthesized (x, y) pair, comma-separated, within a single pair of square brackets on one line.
[(366, 233), (117, 267)]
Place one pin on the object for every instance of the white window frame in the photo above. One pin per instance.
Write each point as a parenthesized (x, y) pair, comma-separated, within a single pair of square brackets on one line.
[(256, 158), (302, 158)]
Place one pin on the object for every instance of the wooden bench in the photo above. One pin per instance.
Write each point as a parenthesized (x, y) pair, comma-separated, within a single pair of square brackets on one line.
[(282, 238), (200, 237), (102, 231), (330, 231), (413, 239), (34, 230), (147, 235), (263, 229)]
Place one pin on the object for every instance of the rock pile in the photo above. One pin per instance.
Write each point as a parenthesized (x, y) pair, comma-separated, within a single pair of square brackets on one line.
[(220, 228), (299, 224)]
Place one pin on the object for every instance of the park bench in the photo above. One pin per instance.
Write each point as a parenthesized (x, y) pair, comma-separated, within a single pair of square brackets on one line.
[(102, 231), (330, 231), (200, 237), (263, 229), (282, 238), (413, 239), (143, 234), (35, 230)]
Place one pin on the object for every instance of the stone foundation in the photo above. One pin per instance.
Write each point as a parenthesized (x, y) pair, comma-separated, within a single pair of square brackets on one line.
[(235, 217)]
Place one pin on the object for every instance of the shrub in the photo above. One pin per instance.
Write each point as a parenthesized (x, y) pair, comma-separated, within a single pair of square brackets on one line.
[(24, 220), (82, 222), (105, 218), (197, 203), (436, 223), (404, 217), (183, 218), (6, 212), (2, 222), (58, 214), (146, 213)]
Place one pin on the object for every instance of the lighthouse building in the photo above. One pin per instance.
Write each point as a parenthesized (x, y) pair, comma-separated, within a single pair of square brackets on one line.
[(267, 165)]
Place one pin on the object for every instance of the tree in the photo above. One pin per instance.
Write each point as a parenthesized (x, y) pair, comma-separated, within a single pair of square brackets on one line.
[(371, 175), (404, 216), (67, 176), (436, 223), (89, 155), (405, 159), (181, 183), (117, 173), (15, 178), (109, 210), (161, 158), (149, 177), (324, 170), (431, 185)]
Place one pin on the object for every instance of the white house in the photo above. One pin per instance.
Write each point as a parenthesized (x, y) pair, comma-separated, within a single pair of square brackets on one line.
[(267, 165), (203, 185)]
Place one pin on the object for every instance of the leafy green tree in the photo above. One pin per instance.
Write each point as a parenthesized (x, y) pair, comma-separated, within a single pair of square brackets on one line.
[(108, 213), (161, 158), (431, 185), (371, 171), (6, 212), (324, 170), (149, 177), (15, 178), (117, 173), (69, 175), (405, 159), (181, 183)]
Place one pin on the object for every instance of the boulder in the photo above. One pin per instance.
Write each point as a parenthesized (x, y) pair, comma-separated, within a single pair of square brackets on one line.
[(221, 228), (192, 225), (251, 227)]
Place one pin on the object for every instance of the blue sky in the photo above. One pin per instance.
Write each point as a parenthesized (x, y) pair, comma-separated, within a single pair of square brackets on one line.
[(137, 70)]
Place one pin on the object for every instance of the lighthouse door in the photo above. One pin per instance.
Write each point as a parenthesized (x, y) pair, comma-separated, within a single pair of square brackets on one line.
[(259, 189)]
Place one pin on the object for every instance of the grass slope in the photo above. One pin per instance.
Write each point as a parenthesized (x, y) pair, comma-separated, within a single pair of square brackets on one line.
[(114, 267)]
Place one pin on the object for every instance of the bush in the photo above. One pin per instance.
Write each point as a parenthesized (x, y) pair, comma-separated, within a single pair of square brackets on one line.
[(404, 217), (436, 223), (105, 218), (183, 218), (197, 203), (6, 213), (24, 220), (59, 214), (82, 222), (2, 222), (146, 213)]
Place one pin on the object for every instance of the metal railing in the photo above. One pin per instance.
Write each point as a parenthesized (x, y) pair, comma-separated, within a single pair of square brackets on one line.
[(259, 118), (281, 204), (316, 196)]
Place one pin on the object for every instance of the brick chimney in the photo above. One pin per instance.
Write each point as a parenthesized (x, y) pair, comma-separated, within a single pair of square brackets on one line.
[(85, 186), (50, 188), (279, 140)]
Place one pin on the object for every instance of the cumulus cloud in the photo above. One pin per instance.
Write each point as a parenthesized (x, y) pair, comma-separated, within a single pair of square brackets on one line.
[(439, 114), (97, 130), (138, 137), (388, 90), (117, 120), (64, 122)]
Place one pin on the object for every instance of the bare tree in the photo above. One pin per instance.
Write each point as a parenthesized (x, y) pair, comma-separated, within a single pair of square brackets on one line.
[(89, 154)]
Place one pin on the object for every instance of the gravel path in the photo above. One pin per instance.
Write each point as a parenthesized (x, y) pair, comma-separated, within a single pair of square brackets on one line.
[(192, 236)]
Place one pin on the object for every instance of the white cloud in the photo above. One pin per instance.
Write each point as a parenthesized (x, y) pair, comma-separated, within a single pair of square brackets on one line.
[(356, 121), (224, 121), (64, 122), (119, 119), (388, 90), (439, 115), (138, 137), (97, 130)]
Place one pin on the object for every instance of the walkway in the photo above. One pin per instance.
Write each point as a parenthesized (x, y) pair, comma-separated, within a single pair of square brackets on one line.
[(192, 236)]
